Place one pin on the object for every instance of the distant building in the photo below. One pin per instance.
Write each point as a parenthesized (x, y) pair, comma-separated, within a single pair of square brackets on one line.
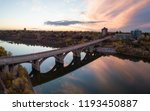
[(104, 31), (136, 33), (123, 36), (128, 36), (25, 29)]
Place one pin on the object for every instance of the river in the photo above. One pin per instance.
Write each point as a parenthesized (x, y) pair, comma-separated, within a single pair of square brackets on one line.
[(105, 74)]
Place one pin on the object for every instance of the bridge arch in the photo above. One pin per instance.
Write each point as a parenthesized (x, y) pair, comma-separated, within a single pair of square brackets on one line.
[(27, 66), (47, 64), (37, 58), (68, 58)]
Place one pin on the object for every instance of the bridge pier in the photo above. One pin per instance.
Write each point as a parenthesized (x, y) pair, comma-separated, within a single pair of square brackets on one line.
[(36, 65), (76, 56), (10, 69), (13, 70), (90, 49), (59, 60), (5, 69), (76, 53)]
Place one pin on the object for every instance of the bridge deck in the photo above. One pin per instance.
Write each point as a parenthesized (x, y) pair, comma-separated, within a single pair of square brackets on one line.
[(35, 56)]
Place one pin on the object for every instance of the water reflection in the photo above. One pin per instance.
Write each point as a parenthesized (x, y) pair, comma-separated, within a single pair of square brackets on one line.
[(115, 75), (104, 74), (107, 74), (27, 66), (68, 59), (20, 49), (47, 65), (38, 78)]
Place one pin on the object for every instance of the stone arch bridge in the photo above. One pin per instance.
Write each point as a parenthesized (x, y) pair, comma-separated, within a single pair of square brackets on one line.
[(10, 64)]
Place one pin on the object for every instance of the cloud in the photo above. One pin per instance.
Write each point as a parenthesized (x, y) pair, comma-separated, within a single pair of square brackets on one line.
[(68, 23), (118, 14), (147, 25)]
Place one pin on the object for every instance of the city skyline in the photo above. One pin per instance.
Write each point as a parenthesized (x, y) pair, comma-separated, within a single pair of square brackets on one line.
[(76, 15)]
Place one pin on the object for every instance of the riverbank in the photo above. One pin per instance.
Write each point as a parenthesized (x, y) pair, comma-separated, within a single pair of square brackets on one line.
[(119, 71), (49, 38), (15, 83), (136, 48), (19, 84), (134, 52)]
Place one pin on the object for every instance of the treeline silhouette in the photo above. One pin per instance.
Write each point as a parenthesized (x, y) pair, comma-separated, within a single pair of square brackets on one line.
[(49, 38)]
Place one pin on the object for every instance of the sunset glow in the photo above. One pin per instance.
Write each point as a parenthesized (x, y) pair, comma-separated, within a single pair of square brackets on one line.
[(82, 15)]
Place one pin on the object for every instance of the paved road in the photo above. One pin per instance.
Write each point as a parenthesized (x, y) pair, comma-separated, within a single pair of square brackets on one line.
[(36, 56)]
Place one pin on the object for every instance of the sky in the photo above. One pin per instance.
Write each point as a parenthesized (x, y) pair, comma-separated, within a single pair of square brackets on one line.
[(75, 15)]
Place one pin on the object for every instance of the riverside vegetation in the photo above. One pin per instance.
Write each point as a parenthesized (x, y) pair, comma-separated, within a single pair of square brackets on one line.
[(136, 48), (15, 84), (49, 38), (59, 39), (21, 84)]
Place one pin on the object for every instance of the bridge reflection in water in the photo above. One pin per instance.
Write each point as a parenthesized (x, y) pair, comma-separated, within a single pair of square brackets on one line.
[(59, 70)]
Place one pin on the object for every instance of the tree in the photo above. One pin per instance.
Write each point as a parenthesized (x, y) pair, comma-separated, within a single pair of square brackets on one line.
[(3, 52)]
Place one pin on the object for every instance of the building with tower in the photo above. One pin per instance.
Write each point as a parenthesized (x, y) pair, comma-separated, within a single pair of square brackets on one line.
[(104, 31)]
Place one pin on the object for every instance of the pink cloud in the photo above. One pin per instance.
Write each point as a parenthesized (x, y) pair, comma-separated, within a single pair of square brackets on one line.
[(146, 25), (117, 13)]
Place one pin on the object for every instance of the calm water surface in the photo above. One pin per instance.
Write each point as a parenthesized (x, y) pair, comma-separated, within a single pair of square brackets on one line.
[(106, 74)]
